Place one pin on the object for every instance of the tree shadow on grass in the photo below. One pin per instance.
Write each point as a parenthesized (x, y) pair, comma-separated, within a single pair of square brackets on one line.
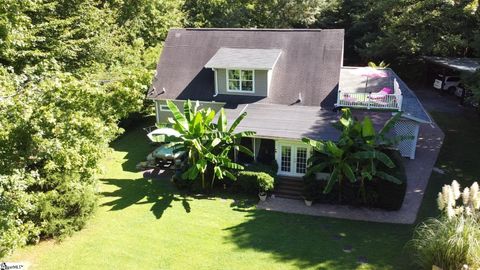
[(158, 192), (318, 243)]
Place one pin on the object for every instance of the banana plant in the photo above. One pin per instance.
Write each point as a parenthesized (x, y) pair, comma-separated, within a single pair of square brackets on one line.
[(206, 143), (357, 154), (380, 65), (336, 158)]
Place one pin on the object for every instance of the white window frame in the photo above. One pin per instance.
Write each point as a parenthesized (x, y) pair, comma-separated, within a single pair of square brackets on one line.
[(293, 163), (240, 81), (163, 108)]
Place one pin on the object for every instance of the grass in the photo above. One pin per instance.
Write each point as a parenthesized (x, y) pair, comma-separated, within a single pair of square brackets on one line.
[(147, 224)]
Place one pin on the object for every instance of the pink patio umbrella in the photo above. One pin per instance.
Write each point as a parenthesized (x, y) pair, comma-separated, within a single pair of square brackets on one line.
[(371, 73)]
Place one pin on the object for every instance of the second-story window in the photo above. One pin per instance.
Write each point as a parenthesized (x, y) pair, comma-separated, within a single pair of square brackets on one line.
[(240, 80)]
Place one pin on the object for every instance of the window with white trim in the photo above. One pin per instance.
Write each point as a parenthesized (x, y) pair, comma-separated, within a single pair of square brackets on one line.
[(164, 108), (240, 80)]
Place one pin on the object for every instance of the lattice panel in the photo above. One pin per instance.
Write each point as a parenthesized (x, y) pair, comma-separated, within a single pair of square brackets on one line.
[(407, 128)]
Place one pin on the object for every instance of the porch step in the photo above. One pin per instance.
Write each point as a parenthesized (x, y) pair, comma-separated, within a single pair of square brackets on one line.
[(291, 188)]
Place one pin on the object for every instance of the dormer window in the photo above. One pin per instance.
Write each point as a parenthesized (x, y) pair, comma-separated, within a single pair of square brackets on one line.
[(239, 80), (246, 72)]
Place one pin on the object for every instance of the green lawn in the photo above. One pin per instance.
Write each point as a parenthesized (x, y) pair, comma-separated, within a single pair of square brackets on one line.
[(148, 224)]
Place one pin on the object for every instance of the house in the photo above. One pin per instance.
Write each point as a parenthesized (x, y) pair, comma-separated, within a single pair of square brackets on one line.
[(290, 82)]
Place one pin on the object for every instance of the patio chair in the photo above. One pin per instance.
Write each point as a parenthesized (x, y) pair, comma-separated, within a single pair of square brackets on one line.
[(382, 94)]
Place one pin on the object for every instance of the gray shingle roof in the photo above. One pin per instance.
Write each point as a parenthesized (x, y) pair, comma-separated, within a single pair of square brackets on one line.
[(411, 106), (286, 122), (295, 122), (309, 65), (231, 58)]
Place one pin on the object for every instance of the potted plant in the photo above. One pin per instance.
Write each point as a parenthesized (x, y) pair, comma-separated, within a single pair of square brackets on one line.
[(262, 195), (310, 190), (265, 184), (308, 201)]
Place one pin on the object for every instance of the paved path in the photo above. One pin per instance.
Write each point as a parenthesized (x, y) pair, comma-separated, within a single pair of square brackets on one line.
[(418, 172)]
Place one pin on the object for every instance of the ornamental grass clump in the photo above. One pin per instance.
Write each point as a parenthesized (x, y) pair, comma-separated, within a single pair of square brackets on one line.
[(455, 203), (451, 241)]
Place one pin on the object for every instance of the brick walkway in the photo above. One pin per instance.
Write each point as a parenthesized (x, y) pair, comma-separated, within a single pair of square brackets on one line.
[(418, 172)]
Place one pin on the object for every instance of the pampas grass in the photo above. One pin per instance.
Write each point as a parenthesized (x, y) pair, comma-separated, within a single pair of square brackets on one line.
[(447, 243)]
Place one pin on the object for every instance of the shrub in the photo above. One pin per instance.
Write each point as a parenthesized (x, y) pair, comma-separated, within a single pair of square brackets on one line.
[(380, 193), (252, 182), (311, 188), (390, 195), (15, 204), (271, 169), (447, 243)]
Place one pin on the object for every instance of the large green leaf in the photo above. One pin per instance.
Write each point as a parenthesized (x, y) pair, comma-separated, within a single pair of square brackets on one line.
[(348, 172), (209, 116), (334, 177), (373, 154), (178, 117), (218, 172), (201, 165), (390, 124), (197, 124), (215, 142), (388, 177), (245, 150), (232, 165), (386, 160), (187, 110), (368, 130), (243, 134), (191, 173), (222, 121), (320, 167), (237, 122), (333, 149), (317, 145), (364, 155), (230, 175)]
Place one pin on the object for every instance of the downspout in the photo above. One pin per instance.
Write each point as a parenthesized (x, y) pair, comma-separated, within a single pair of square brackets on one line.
[(216, 82)]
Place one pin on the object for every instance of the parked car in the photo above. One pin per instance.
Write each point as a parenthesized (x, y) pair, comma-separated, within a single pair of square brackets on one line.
[(165, 156), (452, 83)]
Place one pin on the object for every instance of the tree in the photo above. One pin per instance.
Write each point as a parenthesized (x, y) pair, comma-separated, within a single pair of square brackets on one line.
[(471, 82), (149, 20), (252, 13), (208, 145), (69, 74)]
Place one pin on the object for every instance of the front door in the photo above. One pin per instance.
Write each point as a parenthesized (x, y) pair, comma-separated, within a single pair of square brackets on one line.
[(292, 159)]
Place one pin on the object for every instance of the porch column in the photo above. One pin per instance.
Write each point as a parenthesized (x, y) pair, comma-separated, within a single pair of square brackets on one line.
[(254, 150)]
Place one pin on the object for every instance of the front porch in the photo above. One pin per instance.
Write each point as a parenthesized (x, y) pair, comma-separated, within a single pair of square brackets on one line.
[(288, 157), (418, 172)]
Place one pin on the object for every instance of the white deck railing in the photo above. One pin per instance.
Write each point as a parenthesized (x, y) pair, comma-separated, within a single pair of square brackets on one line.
[(369, 101)]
